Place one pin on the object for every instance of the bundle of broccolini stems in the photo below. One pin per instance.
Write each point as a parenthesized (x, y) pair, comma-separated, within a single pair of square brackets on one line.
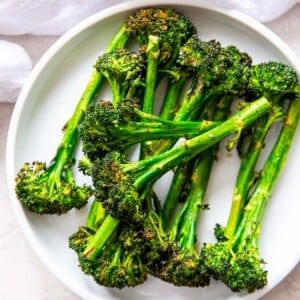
[(130, 232)]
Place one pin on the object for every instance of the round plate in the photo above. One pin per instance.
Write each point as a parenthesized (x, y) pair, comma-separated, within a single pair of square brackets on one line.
[(48, 100)]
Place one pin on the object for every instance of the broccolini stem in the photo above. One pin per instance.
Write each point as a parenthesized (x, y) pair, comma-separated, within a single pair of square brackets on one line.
[(151, 73), (174, 227), (248, 164), (69, 175), (116, 256), (151, 81), (172, 123), (153, 131), (245, 175), (199, 179), (95, 216), (102, 235), (171, 99), (159, 164), (195, 199), (191, 101), (59, 165), (119, 40), (179, 180), (181, 174), (254, 210), (115, 90), (96, 80)]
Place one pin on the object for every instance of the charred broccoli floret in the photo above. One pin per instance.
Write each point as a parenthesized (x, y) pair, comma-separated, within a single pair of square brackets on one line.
[(272, 79), (123, 70), (158, 246), (197, 57), (218, 71), (50, 189), (194, 55), (239, 269), (109, 128), (172, 28), (108, 250), (117, 263)]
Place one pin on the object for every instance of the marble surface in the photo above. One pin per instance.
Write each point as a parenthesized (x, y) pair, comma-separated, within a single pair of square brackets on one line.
[(22, 274)]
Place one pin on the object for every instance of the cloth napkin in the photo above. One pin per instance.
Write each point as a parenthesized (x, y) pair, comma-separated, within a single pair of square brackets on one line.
[(18, 17)]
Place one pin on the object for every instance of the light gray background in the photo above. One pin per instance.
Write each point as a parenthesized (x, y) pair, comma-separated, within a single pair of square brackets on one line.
[(22, 275)]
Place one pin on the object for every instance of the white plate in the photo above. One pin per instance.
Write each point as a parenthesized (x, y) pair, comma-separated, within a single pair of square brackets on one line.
[(49, 98)]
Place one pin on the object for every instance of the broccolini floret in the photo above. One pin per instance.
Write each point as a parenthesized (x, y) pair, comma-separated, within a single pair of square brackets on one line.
[(172, 28), (115, 128), (50, 190), (123, 70), (117, 263)]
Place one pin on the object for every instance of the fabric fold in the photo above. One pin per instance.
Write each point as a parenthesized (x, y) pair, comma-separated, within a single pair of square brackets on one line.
[(57, 16), (15, 67)]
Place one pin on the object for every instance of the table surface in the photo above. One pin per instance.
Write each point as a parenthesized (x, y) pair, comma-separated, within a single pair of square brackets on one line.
[(22, 274)]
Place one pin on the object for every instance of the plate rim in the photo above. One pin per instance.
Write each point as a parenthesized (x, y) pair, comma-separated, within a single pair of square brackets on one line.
[(238, 16)]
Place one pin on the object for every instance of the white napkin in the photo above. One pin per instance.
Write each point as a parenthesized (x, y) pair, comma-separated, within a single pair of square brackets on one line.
[(262, 10), (15, 66), (46, 17), (56, 16)]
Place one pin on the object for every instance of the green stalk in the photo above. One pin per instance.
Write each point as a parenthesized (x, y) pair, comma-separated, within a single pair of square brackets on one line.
[(69, 176), (115, 86), (171, 98), (159, 164), (180, 176), (143, 131), (195, 199), (179, 180), (244, 179), (116, 258), (150, 82), (62, 158), (95, 216), (152, 119), (174, 227), (119, 40), (192, 103), (102, 235), (151, 73), (254, 210)]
